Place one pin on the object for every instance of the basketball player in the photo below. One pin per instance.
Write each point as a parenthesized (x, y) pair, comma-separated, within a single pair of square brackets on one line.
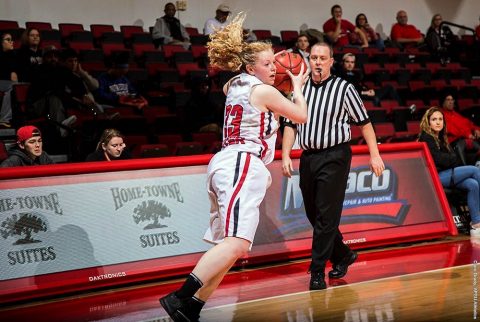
[(237, 177)]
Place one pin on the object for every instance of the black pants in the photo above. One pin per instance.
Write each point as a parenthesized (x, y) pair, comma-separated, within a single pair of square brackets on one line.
[(323, 180)]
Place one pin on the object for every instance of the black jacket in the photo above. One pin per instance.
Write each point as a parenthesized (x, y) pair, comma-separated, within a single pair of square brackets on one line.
[(17, 157), (443, 158), (99, 155)]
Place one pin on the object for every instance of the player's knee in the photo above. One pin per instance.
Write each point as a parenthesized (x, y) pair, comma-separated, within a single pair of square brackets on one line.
[(239, 247)]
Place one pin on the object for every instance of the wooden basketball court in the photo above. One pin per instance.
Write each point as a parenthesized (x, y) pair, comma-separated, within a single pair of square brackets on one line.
[(434, 281)]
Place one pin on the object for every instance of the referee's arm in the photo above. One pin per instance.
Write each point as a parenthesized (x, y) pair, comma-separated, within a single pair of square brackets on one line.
[(289, 134), (376, 162)]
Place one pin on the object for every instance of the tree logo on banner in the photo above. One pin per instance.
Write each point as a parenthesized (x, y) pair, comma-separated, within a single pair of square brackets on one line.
[(26, 224), (151, 211)]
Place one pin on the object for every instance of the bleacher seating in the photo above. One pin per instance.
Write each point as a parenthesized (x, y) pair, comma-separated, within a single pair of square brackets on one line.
[(162, 75)]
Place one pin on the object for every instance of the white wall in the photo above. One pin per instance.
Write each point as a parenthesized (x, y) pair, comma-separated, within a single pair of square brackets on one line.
[(262, 14)]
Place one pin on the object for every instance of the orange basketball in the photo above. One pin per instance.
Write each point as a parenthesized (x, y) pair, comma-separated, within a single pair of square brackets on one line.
[(287, 61)]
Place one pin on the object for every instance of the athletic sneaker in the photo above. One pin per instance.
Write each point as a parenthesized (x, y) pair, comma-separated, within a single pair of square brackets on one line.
[(179, 310), (474, 232)]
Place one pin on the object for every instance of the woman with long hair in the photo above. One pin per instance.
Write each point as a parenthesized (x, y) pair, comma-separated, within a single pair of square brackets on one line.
[(110, 147), (434, 133), (237, 177)]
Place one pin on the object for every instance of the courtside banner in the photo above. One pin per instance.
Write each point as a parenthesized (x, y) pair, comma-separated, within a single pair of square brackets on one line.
[(80, 226)]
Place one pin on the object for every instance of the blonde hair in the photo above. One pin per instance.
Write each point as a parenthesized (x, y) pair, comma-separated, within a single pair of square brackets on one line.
[(442, 138), (227, 49), (107, 135)]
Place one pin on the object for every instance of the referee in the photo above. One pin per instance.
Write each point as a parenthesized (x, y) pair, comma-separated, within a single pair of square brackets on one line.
[(333, 104)]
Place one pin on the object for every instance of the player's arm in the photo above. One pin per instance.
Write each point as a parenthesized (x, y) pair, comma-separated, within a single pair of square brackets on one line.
[(269, 97)]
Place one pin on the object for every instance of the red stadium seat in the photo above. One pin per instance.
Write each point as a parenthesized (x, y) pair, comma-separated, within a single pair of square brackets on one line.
[(205, 138), (38, 25), (289, 37), (262, 34), (153, 150), (99, 29), (192, 31), (170, 140), (384, 131), (67, 28), (8, 24), (188, 148)]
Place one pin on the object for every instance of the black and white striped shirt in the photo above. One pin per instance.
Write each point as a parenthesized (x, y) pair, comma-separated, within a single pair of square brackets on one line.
[(332, 106)]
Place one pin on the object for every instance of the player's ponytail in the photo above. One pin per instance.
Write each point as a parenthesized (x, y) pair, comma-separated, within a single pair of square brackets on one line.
[(227, 49)]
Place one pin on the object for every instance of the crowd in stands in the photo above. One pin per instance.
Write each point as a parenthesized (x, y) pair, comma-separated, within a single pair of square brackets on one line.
[(73, 83)]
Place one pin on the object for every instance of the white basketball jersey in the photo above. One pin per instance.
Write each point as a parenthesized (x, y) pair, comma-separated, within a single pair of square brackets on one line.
[(245, 127)]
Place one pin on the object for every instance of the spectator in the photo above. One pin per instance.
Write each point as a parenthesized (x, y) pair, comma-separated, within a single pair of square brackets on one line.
[(249, 36), (434, 133), (8, 77), (46, 92), (29, 54), (28, 150), (302, 47), (373, 39), (79, 85), (338, 30), (201, 112), (116, 89), (404, 35), (219, 21), (438, 41), (170, 29), (354, 77), (110, 147), (463, 134)]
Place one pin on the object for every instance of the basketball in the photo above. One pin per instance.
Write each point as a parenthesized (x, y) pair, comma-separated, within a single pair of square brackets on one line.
[(287, 61)]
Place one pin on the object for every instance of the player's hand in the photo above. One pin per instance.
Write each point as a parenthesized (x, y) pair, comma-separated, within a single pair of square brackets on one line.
[(377, 166), (287, 167), (300, 79), (280, 53)]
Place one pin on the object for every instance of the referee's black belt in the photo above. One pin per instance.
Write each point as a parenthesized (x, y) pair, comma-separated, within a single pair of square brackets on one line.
[(314, 151)]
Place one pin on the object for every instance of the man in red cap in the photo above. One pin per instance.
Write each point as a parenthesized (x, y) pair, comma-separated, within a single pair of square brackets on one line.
[(29, 149)]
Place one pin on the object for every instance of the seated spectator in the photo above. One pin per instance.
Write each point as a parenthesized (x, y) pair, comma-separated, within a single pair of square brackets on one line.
[(28, 150), (110, 147), (302, 47), (438, 41), (8, 77), (79, 85), (219, 21), (452, 175), (170, 29), (29, 54), (373, 39), (116, 89), (348, 72), (202, 113), (46, 92), (404, 35), (249, 36), (463, 134), (338, 30)]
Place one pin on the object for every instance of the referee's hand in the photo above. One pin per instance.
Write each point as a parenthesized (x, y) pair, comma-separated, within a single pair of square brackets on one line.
[(287, 167), (376, 165)]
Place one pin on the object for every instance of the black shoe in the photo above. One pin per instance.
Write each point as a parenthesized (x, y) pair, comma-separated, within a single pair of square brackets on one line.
[(177, 309), (317, 282), (340, 270)]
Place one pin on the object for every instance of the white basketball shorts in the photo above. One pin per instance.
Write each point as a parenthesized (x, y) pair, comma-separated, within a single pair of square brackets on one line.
[(236, 183)]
